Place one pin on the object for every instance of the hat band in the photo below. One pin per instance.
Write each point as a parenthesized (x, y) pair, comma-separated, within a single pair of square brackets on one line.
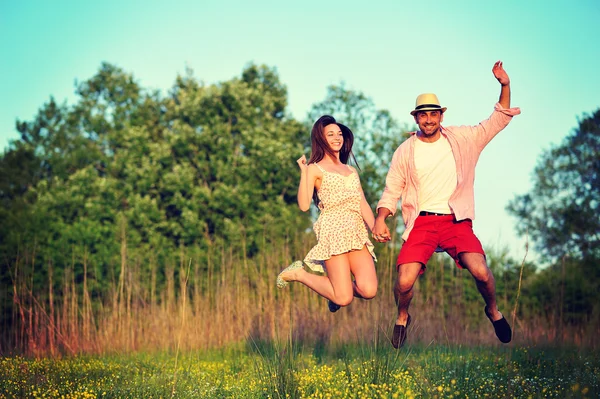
[(428, 106)]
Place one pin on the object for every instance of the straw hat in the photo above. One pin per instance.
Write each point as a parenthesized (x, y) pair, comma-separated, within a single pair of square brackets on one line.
[(427, 102)]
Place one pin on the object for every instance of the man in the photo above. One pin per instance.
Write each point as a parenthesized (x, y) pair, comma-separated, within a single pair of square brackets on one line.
[(433, 172)]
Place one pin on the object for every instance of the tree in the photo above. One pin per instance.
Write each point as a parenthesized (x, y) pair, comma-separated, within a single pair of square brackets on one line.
[(205, 165), (561, 211)]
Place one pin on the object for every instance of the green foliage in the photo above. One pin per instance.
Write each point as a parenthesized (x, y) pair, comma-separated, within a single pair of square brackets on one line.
[(560, 213), (567, 292), (281, 362), (432, 372), (126, 168)]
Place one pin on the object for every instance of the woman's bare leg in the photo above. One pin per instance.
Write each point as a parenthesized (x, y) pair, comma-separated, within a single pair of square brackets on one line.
[(337, 286), (362, 266)]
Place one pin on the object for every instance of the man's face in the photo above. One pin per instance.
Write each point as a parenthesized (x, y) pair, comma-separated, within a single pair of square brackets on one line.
[(429, 122)]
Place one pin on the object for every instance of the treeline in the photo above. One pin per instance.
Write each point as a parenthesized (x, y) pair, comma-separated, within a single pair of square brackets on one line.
[(132, 198)]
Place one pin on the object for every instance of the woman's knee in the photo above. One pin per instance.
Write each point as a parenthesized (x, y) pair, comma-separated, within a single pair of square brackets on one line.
[(344, 300), (369, 291)]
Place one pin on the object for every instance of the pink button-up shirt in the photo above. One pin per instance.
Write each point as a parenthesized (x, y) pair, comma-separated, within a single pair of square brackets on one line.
[(466, 142)]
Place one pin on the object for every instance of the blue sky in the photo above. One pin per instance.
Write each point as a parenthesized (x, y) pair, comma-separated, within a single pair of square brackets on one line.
[(389, 50)]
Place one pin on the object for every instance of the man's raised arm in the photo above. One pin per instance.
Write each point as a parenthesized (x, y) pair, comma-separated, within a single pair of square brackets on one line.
[(504, 80)]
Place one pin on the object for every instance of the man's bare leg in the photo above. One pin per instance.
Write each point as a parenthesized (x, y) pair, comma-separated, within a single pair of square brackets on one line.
[(475, 263), (403, 293)]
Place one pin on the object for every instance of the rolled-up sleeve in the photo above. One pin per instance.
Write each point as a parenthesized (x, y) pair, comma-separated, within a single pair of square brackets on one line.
[(485, 131), (507, 111)]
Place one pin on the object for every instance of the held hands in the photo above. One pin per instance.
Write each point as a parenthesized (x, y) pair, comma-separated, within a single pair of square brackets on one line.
[(380, 231), (500, 74)]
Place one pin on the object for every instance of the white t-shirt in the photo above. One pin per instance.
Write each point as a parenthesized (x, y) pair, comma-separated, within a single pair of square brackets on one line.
[(436, 170)]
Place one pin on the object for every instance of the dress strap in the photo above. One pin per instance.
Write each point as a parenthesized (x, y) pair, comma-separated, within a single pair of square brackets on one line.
[(320, 168)]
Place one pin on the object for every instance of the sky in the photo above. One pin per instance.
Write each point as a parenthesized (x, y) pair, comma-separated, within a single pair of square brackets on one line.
[(389, 50)]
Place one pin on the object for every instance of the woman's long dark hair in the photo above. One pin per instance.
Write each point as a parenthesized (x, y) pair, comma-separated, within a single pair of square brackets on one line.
[(319, 145)]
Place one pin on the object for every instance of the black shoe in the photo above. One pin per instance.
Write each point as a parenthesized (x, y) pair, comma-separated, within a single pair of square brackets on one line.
[(333, 307), (501, 327), (400, 334)]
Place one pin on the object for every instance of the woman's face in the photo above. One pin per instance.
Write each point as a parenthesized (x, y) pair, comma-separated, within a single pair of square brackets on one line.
[(334, 137)]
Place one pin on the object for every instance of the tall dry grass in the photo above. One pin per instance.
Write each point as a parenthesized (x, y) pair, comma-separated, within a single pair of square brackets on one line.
[(232, 299)]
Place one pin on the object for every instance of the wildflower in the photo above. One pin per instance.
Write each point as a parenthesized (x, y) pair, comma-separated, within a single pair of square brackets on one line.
[(575, 387)]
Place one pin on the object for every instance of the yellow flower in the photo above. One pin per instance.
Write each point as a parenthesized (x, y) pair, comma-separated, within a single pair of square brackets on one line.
[(575, 387)]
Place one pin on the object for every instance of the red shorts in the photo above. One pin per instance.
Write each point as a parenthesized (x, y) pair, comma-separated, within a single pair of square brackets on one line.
[(444, 232)]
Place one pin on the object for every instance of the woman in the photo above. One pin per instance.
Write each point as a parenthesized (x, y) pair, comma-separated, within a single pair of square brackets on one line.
[(343, 245)]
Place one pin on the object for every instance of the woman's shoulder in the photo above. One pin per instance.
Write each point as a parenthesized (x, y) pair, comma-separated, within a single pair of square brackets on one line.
[(315, 169)]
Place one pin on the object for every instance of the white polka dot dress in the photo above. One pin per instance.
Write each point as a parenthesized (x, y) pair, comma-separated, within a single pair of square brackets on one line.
[(340, 227)]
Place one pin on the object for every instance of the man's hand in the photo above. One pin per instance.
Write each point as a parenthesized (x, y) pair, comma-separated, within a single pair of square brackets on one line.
[(500, 74)]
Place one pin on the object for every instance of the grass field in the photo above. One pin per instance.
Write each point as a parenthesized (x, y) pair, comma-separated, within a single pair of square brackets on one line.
[(287, 370), (218, 333)]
